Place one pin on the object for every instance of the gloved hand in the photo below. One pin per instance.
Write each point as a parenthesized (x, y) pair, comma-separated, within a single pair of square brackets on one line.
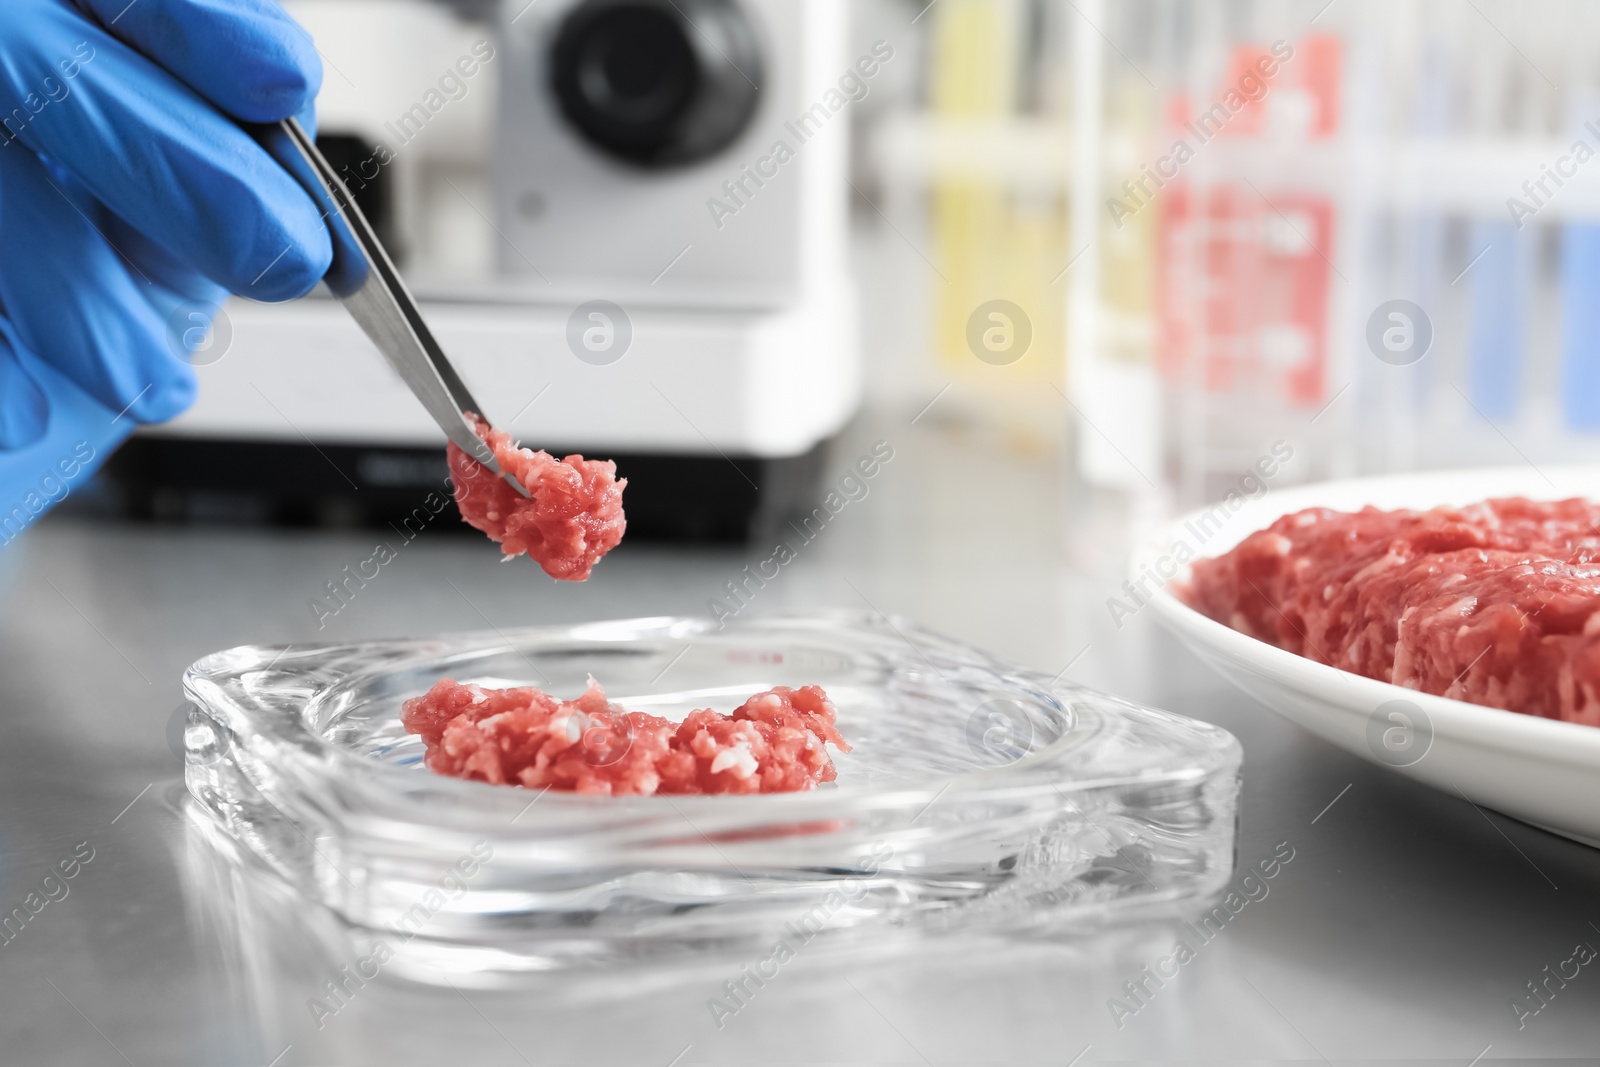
[(127, 193)]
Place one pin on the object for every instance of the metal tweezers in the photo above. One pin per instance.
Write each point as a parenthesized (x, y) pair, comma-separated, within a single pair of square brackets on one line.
[(364, 279)]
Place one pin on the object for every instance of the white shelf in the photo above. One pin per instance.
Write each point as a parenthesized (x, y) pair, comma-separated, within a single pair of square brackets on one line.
[(1463, 174)]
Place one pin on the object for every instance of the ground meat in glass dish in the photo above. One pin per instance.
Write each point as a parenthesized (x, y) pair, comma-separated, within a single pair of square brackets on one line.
[(772, 743)]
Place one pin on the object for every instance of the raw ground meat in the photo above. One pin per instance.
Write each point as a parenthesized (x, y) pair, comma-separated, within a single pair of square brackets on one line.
[(772, 743), (572, 519), (1497, 603)]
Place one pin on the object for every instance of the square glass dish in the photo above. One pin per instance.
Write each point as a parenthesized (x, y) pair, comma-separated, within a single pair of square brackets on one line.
[(978, 797)]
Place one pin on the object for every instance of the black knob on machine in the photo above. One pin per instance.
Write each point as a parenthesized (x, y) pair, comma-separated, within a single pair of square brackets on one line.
[(657, 83)]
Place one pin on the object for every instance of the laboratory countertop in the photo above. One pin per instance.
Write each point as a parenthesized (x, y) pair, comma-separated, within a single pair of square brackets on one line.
[(1404, 929)]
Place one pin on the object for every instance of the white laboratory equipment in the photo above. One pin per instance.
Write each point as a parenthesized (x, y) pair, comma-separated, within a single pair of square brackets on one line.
[(627, 223)]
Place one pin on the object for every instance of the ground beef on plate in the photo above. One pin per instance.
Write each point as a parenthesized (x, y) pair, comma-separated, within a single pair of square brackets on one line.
[(1497, 603)]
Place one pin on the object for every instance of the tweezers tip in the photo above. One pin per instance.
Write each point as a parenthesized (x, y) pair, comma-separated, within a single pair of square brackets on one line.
[(511, 480)]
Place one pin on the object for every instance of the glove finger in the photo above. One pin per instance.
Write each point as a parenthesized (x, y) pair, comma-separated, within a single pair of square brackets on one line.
[(156, 154), (78, 304), (186, 303), (248, 57), (175, 281), (24, 411), (80, 435)]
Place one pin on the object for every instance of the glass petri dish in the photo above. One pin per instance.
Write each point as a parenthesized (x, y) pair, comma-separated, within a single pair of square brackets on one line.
[(978, 797)]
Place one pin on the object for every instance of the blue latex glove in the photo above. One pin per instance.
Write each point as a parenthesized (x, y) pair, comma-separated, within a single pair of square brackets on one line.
[(128, 194)]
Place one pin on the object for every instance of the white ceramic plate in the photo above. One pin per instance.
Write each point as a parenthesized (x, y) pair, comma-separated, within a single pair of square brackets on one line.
[(1540, 770)]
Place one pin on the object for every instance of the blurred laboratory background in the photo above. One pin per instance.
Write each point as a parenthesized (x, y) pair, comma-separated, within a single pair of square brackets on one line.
[(1148, 238)]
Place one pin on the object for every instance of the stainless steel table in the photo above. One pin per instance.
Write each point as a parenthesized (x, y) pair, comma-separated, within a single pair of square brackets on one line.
[(1404, 928)]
